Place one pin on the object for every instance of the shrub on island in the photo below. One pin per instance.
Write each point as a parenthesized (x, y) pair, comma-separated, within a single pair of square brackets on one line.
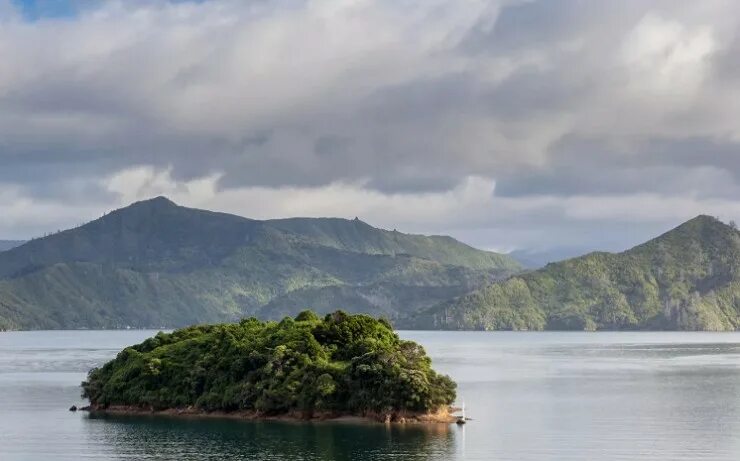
[(339, 365)]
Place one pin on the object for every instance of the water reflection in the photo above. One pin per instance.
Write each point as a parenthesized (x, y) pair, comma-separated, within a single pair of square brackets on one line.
[(161, 437)]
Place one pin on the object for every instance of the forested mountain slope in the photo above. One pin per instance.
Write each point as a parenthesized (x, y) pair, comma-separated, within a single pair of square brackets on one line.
[(157, 264), (686, 279)]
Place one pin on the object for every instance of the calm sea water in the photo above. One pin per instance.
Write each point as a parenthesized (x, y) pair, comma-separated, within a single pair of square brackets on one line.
[(532, 396)]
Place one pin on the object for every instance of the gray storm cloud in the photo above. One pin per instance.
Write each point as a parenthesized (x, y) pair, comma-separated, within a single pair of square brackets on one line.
[(508, 124)]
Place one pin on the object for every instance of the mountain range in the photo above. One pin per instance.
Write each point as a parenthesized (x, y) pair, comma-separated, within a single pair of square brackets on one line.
[(685, 279), (157, 264)]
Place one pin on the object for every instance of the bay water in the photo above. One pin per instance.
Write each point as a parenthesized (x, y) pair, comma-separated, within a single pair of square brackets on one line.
[(531, 396)]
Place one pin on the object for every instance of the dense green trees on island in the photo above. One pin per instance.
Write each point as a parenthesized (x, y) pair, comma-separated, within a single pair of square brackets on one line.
[(341, 365), (685, 279)]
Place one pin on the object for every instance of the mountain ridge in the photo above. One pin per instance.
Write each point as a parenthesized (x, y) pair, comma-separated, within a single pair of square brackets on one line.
[(155, 263), (685, 279), (6, 245)]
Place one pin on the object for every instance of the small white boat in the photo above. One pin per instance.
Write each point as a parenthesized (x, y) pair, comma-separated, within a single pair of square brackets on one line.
[(461, 419)]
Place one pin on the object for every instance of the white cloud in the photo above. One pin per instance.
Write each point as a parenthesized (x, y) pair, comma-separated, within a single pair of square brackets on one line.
[(471, 205), (404, 113), (26, 217), (667, 58)]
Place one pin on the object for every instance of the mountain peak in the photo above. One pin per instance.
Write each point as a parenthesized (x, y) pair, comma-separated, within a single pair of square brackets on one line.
[(700, 224), (159, 201), (158, 263), (686, 279), (703, 228), (705, 219), (159, 205)]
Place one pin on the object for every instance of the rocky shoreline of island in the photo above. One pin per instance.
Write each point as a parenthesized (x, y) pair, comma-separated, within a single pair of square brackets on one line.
[(442, 416)]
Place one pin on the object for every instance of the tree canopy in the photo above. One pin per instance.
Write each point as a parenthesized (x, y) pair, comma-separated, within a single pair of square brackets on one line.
[(345, 364), (685, 279)]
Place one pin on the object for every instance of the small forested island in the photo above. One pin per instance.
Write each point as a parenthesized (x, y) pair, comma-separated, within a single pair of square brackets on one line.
[(303, 368)]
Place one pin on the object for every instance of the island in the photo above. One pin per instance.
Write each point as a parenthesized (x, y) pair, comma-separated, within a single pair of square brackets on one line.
[(341, 366)]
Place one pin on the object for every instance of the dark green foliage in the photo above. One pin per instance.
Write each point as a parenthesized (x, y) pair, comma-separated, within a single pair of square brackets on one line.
[(156, 264), (686, 279), (364, 238), (349, 364)]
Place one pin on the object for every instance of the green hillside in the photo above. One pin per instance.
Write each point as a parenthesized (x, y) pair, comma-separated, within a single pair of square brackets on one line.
[(362, 237), (157, 264), (686, 279)]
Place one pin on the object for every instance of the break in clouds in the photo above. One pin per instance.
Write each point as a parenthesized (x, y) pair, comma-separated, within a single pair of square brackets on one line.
[(512, 124)]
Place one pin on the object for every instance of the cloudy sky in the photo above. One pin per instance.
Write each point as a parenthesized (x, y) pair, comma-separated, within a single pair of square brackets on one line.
[(507, 124)]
